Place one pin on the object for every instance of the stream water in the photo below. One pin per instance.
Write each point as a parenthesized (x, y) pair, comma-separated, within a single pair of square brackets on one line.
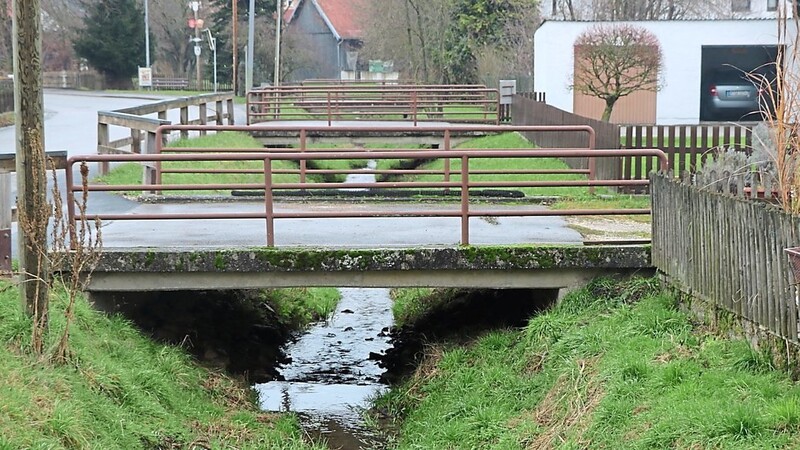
[(331, 376)]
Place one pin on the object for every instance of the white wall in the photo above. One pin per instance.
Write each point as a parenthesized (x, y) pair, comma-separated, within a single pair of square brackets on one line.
[(681, 43)]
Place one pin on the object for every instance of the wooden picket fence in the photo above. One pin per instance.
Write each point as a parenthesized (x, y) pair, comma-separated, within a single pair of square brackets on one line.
[(727, 250), (688, 147)]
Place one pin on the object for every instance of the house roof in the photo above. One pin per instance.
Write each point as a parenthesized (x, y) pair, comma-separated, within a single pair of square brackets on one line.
[(344, 17)]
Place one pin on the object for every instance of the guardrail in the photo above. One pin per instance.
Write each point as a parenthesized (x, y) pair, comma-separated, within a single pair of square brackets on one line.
[(444, 133), (395, 102), (143, 128), (265, 163)]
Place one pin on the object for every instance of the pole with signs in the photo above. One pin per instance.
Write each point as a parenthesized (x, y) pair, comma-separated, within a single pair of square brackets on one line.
[(197, 25)]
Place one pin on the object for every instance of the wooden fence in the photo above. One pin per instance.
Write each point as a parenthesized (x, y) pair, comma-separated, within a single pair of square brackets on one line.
[(686, 146), (142, 129), (528, 110), (727, 250)]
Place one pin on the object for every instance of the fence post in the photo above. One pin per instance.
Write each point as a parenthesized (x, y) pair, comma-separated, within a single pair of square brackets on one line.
[(102, 141), (220, 116), (136, 141), (152, 170), (184, 121), (231, 120), (203, 116)]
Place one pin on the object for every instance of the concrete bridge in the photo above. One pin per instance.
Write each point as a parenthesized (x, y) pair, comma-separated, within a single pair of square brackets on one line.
[(522, 266), (175, 242)]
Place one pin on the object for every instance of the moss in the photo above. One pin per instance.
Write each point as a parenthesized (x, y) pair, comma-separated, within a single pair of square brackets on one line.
[(149, 258), (220, 262)]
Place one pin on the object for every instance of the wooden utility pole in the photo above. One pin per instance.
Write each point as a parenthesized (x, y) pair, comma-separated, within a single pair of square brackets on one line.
[(30, 155)]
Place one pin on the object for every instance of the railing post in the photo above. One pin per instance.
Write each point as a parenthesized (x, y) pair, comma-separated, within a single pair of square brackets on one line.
[(70, 194), (329, 108), (102, 141), (446, 144), (219, 120), (464, 200), (414, 106), (184, 121), (269, 213), (203, 116), (5, 220), (303, 165), (152, 170), (231, 118), (136, 141)]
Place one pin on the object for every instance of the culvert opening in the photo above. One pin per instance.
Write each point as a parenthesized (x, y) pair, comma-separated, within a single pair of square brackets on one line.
[(327, 373)]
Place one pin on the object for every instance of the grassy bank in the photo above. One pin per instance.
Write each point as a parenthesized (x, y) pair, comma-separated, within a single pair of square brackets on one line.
[(612, 366), (120, 390)]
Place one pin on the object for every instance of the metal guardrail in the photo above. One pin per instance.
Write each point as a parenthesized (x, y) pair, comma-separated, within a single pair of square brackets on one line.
[(468, 207), (154, 172), (395, 102)]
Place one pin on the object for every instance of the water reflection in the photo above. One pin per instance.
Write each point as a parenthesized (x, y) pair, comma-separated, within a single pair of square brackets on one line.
[(331, 375)]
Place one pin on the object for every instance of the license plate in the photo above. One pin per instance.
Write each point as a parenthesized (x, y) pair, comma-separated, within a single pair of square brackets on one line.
[(743, 94)]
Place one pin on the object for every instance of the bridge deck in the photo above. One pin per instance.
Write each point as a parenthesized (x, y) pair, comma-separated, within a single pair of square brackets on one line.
[(543, 267)]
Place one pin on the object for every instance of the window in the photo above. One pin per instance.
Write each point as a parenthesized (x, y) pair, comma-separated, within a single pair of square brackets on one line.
[(740, 5), (772, 5)]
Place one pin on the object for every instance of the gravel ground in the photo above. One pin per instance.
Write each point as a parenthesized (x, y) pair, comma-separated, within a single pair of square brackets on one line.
[(594, 228)]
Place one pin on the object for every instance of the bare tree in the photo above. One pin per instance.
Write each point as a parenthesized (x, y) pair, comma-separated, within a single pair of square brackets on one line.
[(612, 61), (639, 9), (408, 32)]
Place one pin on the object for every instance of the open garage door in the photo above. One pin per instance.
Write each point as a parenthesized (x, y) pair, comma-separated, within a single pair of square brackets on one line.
[(727, 92)]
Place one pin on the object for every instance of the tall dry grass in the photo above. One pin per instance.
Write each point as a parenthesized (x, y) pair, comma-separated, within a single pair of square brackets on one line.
[(781, 110)]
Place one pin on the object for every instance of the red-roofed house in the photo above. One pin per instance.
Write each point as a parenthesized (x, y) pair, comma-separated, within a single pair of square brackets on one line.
[(332, 31)]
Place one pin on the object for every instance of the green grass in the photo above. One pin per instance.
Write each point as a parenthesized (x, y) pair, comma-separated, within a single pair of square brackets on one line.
[(132, 173), (510, 141), (611, 366), (577, 197), (120, 390)]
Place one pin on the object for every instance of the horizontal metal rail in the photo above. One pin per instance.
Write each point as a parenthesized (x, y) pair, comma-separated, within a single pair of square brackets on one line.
[(337, 102), (463, 187)]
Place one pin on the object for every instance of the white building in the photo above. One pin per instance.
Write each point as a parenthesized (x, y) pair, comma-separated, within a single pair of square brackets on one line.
[(690, 49), (694, 9)]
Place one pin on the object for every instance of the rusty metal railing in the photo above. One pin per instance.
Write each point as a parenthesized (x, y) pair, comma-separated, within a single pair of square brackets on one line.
[(303, 131), (391, 102), (468, 206)]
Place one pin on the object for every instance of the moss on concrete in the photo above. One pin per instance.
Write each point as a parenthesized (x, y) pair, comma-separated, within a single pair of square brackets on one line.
[(258, 259)]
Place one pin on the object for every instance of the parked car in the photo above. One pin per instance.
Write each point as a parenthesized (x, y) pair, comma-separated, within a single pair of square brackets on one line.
[(732, 94)]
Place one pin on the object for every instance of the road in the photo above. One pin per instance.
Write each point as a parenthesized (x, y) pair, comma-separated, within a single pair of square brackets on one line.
[(70, 123)]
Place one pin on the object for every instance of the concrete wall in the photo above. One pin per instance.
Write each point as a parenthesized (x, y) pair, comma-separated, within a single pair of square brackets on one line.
[(682, 41)]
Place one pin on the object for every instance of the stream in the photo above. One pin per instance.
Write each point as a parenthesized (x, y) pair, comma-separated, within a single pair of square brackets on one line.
[(331, 377)]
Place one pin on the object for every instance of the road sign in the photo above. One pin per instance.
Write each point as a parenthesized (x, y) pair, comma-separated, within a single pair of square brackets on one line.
[(196, 50), (145, 77)]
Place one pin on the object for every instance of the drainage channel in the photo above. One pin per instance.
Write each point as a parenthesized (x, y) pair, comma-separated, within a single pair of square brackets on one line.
[(332, 374)]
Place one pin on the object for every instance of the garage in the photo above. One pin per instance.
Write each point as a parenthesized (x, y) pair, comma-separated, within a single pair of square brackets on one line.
[(732, 81), (693, 50)]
